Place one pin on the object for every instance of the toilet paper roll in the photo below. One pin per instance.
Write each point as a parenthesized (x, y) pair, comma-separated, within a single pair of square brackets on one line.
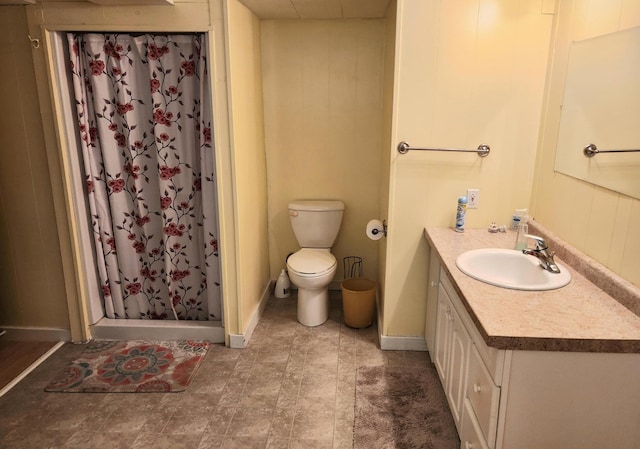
[(375, 230)]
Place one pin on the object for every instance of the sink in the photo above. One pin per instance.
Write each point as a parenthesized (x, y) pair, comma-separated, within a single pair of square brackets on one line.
[(509, 268)]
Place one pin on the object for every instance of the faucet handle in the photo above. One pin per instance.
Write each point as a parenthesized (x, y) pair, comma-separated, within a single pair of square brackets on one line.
[(540, 243)]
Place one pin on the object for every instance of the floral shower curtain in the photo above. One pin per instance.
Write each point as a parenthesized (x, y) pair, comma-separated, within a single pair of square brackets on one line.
[(145, 123)]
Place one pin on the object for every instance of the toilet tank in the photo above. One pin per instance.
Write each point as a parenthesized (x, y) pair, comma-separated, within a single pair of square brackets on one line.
[(316, 222)]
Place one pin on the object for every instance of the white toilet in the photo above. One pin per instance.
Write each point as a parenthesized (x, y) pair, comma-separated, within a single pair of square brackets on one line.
[(311, 269)]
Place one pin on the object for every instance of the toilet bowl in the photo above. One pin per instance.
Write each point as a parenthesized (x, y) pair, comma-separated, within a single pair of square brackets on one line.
[(312, 270), (315, 224)]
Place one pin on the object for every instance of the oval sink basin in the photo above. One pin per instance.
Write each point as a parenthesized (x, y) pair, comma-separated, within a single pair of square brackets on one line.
[(509, 268)]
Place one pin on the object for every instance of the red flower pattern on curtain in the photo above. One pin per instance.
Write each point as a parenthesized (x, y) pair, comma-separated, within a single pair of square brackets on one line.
[(145, 122)]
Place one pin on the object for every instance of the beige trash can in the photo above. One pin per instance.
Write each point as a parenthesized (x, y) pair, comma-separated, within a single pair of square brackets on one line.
[(358, 302)]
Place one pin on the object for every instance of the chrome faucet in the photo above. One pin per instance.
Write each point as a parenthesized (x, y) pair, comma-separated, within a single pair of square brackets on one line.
[(540, 251)]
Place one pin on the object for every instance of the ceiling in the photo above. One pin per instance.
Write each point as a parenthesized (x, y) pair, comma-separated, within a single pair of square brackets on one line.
[(100, 2), (318, 9), (280, 9)]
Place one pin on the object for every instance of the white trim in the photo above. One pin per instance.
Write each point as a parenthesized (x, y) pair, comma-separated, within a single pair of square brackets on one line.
[(89, 279), (389, 343), (237, 341), (240, 341), (400, 343), (36, 333), (114, 329), (31, 367)]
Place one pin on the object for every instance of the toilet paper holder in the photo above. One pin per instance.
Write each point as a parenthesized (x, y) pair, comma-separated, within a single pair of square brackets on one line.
[(384, 229)]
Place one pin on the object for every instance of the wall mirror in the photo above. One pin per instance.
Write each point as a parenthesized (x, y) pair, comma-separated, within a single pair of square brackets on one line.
[(601, 106)]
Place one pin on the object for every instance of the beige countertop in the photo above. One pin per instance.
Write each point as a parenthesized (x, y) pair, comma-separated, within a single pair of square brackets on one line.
[(580, 317)]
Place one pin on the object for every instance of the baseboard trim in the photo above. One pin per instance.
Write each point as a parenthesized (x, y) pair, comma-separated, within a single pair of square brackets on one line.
[(391, 343), (240, 341), (19, 333), (399, 343), (237, 341)]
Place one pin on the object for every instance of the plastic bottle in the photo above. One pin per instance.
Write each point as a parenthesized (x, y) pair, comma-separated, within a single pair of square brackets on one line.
[(523, 230), (282, 285), (460, 213), (517, 216)]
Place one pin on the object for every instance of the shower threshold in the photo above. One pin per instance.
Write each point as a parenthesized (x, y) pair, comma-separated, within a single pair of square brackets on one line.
[(112, 329)]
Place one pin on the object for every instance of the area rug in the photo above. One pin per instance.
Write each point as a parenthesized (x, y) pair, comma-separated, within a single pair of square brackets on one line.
[(131, 367), (402, 407)]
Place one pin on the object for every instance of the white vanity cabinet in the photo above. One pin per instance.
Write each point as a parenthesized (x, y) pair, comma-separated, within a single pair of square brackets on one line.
[(515, 399), (469, 386)]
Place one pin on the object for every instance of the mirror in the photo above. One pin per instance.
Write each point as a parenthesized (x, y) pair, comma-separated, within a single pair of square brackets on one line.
[(601, 106)]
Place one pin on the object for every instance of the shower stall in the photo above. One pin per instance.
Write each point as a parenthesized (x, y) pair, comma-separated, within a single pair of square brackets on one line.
[(151, 269)]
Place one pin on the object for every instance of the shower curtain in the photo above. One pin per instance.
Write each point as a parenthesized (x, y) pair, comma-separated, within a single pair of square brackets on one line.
[(145, 124)]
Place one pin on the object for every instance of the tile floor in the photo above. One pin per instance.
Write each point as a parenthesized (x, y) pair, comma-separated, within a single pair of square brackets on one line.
[(292, 387)]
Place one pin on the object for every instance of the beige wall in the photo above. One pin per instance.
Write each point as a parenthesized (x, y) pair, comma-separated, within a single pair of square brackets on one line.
[(323, 127), (249, 165), (33, 290), (600, 222), (467, 72)]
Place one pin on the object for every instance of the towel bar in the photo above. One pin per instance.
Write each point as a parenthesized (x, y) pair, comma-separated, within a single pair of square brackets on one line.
[(591, 150), (482, 150)]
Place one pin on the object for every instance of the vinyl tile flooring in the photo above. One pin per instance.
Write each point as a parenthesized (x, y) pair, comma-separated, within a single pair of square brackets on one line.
[(292, 387)]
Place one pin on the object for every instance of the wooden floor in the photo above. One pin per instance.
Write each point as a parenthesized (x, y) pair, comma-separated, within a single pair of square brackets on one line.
[(16, 356)]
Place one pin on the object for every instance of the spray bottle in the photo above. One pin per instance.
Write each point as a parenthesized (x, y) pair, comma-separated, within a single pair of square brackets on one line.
[(460, 213)]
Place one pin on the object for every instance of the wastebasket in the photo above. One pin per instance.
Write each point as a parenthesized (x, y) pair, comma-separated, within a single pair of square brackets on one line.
[(358, 302)]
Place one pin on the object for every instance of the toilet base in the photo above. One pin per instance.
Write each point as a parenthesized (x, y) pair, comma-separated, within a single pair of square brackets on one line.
[(313, 306)]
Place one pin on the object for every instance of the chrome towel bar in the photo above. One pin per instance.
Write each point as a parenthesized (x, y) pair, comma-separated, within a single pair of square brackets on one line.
[(591, 150), (482, 150)]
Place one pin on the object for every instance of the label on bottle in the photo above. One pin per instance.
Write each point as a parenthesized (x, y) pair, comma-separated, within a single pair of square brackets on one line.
[(515, 223), (460, 213)]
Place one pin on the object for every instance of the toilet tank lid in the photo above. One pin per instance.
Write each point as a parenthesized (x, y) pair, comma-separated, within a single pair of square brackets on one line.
[(316, 205)]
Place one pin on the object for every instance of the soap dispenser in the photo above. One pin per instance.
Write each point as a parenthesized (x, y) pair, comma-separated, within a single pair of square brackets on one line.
[(521, 237)]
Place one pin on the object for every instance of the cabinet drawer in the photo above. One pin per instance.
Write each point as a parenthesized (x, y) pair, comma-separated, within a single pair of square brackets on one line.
[(483, 395), (493, 358), (471, 436)]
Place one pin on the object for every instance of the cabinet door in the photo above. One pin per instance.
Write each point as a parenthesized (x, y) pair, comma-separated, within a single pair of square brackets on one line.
[(459, 351), (443, 326)]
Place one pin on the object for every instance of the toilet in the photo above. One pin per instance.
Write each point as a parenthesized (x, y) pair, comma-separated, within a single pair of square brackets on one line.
[(316, 224)]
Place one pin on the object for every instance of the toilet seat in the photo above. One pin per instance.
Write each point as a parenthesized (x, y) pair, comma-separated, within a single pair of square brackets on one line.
[(312, 262)]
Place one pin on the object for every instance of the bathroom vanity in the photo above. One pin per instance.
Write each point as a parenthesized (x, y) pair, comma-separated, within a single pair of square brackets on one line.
[(556, 369)]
